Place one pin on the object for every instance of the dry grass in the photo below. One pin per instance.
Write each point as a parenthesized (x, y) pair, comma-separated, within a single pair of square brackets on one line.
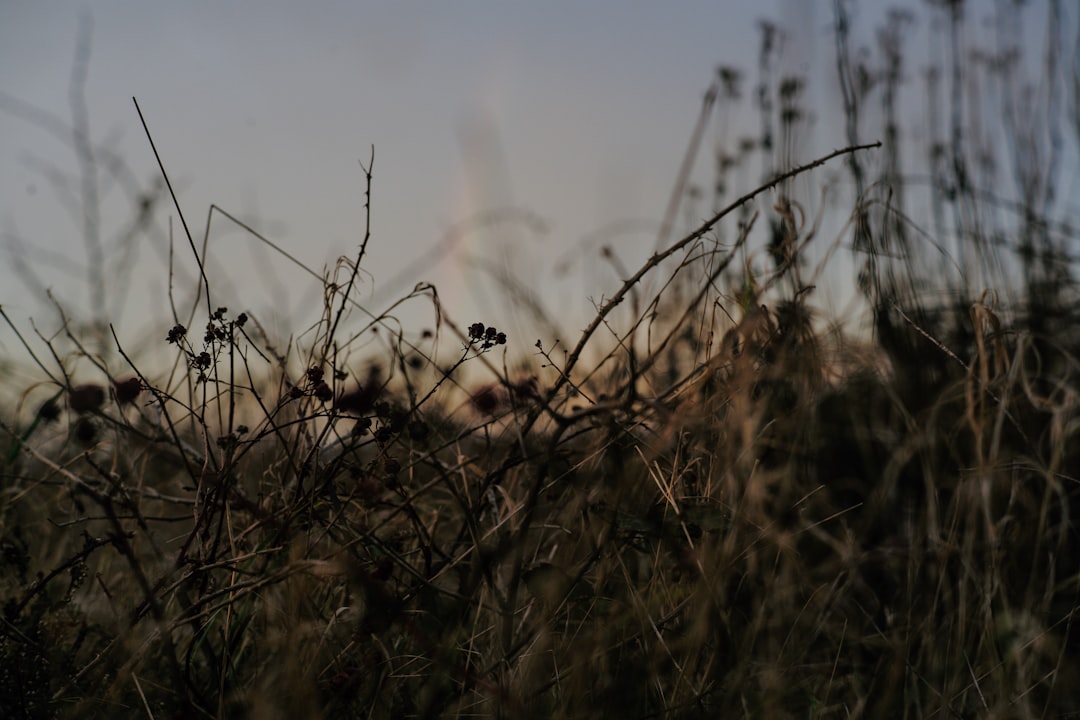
[(712, 505)]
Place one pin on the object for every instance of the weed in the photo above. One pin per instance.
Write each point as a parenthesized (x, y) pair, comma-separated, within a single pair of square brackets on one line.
[(714, 503)]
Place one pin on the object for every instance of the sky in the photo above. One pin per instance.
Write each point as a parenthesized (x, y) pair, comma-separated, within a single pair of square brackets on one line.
[(575, 113), (555, 120)]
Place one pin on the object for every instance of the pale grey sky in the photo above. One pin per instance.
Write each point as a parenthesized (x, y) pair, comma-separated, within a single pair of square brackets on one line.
[(576, 112)]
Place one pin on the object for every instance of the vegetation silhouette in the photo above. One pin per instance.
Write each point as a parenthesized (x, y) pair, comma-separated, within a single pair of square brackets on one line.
[(716, 502)]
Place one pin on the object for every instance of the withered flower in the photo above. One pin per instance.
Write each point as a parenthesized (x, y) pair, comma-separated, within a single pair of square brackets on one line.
[(86, 398)]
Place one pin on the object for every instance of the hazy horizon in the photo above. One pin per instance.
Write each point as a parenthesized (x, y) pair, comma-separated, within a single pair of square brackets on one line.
[(576, 117)]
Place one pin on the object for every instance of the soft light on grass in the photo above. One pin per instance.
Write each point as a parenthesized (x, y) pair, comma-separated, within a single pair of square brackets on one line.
[(710, 504)]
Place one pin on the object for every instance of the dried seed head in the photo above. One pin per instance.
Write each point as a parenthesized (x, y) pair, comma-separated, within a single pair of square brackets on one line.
[(486, 400), (86, 398), (127, 390), (49, 411), (85, 431), (323, 392), (418, 430), (357, 401), (176, 334)]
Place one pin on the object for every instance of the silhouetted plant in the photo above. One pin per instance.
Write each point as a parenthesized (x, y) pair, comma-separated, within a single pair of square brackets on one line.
[(711, 503)]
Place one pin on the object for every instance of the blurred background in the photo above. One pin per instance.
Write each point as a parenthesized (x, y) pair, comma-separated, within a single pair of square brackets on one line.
[(512, 143)]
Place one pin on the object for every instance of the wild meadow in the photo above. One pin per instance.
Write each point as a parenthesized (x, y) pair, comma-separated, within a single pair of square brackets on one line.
[(713, 500)]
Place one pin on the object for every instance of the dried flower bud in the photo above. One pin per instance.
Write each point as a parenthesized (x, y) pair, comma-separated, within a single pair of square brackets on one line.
[(323, 392), (176, 334), (86, 398), (127, 390)]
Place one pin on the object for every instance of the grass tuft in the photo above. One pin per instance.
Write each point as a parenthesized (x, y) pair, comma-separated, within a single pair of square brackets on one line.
[(716, 502)]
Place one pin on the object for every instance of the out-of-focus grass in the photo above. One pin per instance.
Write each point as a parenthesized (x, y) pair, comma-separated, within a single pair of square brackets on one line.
[(713, 504)]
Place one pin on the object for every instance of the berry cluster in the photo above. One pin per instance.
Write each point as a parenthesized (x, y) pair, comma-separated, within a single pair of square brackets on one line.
[(218, 330), (315, 386), (87, 400), (487, 337)]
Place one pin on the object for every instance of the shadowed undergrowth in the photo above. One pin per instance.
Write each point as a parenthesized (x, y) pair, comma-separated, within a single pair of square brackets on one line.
[(714, 504)]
